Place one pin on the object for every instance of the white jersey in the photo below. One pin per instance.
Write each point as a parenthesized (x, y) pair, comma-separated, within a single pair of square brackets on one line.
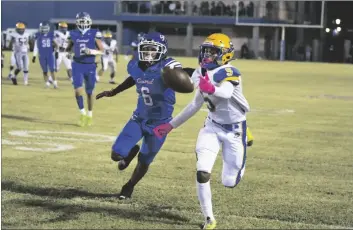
[(227, 105), (20, 42), (62, 39), (221, 110), (109, 49)]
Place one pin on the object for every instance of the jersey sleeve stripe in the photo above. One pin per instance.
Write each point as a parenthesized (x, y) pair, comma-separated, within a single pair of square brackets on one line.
[(232, 78)]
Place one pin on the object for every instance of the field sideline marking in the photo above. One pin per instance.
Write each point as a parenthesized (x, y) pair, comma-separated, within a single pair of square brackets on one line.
[(53, 147)]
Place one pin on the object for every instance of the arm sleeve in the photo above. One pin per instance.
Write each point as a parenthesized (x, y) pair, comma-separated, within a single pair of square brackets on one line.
[(194, 106), (225, 90), (128, 83), (35, 49)]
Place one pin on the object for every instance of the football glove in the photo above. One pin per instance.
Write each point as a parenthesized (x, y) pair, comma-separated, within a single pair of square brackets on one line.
[(205, 85)]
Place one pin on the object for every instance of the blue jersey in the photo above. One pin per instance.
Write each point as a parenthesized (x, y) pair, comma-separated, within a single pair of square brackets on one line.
[(45, 44), (83, 41), (155, 100)]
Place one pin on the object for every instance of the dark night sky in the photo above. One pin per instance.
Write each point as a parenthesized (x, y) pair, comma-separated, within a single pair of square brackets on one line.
[(342, 10)]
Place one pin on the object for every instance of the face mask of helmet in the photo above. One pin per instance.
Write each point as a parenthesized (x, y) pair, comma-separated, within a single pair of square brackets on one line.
[(209, 54), (83, 24), (150, 52), (44, 29)]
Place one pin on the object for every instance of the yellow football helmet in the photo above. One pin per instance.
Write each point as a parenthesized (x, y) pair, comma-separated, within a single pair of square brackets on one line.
[(107, 34), (20, 27), (63, 26), (215, 51)]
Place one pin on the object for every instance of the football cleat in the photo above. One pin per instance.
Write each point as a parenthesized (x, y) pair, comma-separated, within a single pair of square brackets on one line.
[(250, 137), (14, 80), (112, 82), (82, 121), (89, 121), (126, 192), (209, 224), (124, 163)]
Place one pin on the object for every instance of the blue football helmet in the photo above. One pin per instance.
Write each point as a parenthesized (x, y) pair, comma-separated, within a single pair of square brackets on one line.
[(44, 27), (83, 21), (153, 47)]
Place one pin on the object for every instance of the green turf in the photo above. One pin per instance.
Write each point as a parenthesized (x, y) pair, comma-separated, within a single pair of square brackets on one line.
[(299, 172)]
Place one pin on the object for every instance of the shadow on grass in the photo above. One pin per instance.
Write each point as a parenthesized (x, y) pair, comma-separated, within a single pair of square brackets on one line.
[(151, 213), (35, 120)]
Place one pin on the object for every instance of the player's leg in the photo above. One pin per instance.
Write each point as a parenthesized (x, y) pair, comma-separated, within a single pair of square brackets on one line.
[(25, 61), (44, 65), (207, 148), (112, 66), (77, 82), (19, 67), (104, 67), (67, 63), (234, 156), (149, 149), (90, 83), (52, 67), (12, 65)]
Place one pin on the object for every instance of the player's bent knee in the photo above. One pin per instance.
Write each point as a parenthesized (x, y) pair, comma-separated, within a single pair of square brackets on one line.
[(203, 177), (116, 156)]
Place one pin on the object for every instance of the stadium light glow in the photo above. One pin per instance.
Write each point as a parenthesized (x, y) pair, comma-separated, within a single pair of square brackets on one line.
[(338, 29), (327, 30), (338, 21)]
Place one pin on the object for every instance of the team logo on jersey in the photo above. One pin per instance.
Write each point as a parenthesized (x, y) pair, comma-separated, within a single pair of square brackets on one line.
[(140, 81)]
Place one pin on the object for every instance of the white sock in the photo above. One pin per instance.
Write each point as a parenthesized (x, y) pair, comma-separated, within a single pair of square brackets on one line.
[(205, 198), (55, 83), (90, 113), (83, 111), (50, 78), (25, 77), (47, 83)]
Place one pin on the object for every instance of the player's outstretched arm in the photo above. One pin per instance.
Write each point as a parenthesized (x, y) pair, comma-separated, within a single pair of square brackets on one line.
[(35, 51), (189, 111), (128, 83)]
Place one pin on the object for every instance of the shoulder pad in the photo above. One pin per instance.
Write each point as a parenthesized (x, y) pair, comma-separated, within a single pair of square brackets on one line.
[(98, 34), (132, 66), (226, 74), (172, 63)]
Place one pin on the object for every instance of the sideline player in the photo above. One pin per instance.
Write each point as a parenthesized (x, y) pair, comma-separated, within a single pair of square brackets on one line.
[(155, 106), (107, 59), (44, 46), (225, 127), (61, 55), (20, 44), (84, 41)]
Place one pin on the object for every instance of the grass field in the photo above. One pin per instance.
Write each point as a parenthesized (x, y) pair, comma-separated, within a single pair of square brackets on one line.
[(299, 171)]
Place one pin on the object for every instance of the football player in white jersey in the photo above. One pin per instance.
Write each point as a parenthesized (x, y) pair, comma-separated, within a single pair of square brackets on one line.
[(62, 38), (20, 45), (107, 59), (220, 87)]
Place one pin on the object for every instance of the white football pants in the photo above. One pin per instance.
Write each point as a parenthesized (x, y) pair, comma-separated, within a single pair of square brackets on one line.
[(210, 140), (62, 57)]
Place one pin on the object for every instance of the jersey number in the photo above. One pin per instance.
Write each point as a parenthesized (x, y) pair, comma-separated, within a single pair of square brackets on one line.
[(46, 43), (211, 107), (22, 41), (229, 71), (146, 96), (82, 48)]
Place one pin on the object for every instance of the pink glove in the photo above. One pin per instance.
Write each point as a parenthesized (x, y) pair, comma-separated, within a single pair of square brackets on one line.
[(205, 85), (162, 130)]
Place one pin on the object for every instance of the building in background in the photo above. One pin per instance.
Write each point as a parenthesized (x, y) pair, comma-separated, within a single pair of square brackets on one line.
[(187, 23)]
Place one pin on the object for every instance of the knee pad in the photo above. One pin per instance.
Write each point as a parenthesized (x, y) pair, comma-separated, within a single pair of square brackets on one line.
[(17, 71), (115, 156), (203, 177)]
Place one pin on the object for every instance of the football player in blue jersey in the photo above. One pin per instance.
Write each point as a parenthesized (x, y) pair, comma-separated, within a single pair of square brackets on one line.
[(84, 42), (44, 46), (155, 106), (133, 46)]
